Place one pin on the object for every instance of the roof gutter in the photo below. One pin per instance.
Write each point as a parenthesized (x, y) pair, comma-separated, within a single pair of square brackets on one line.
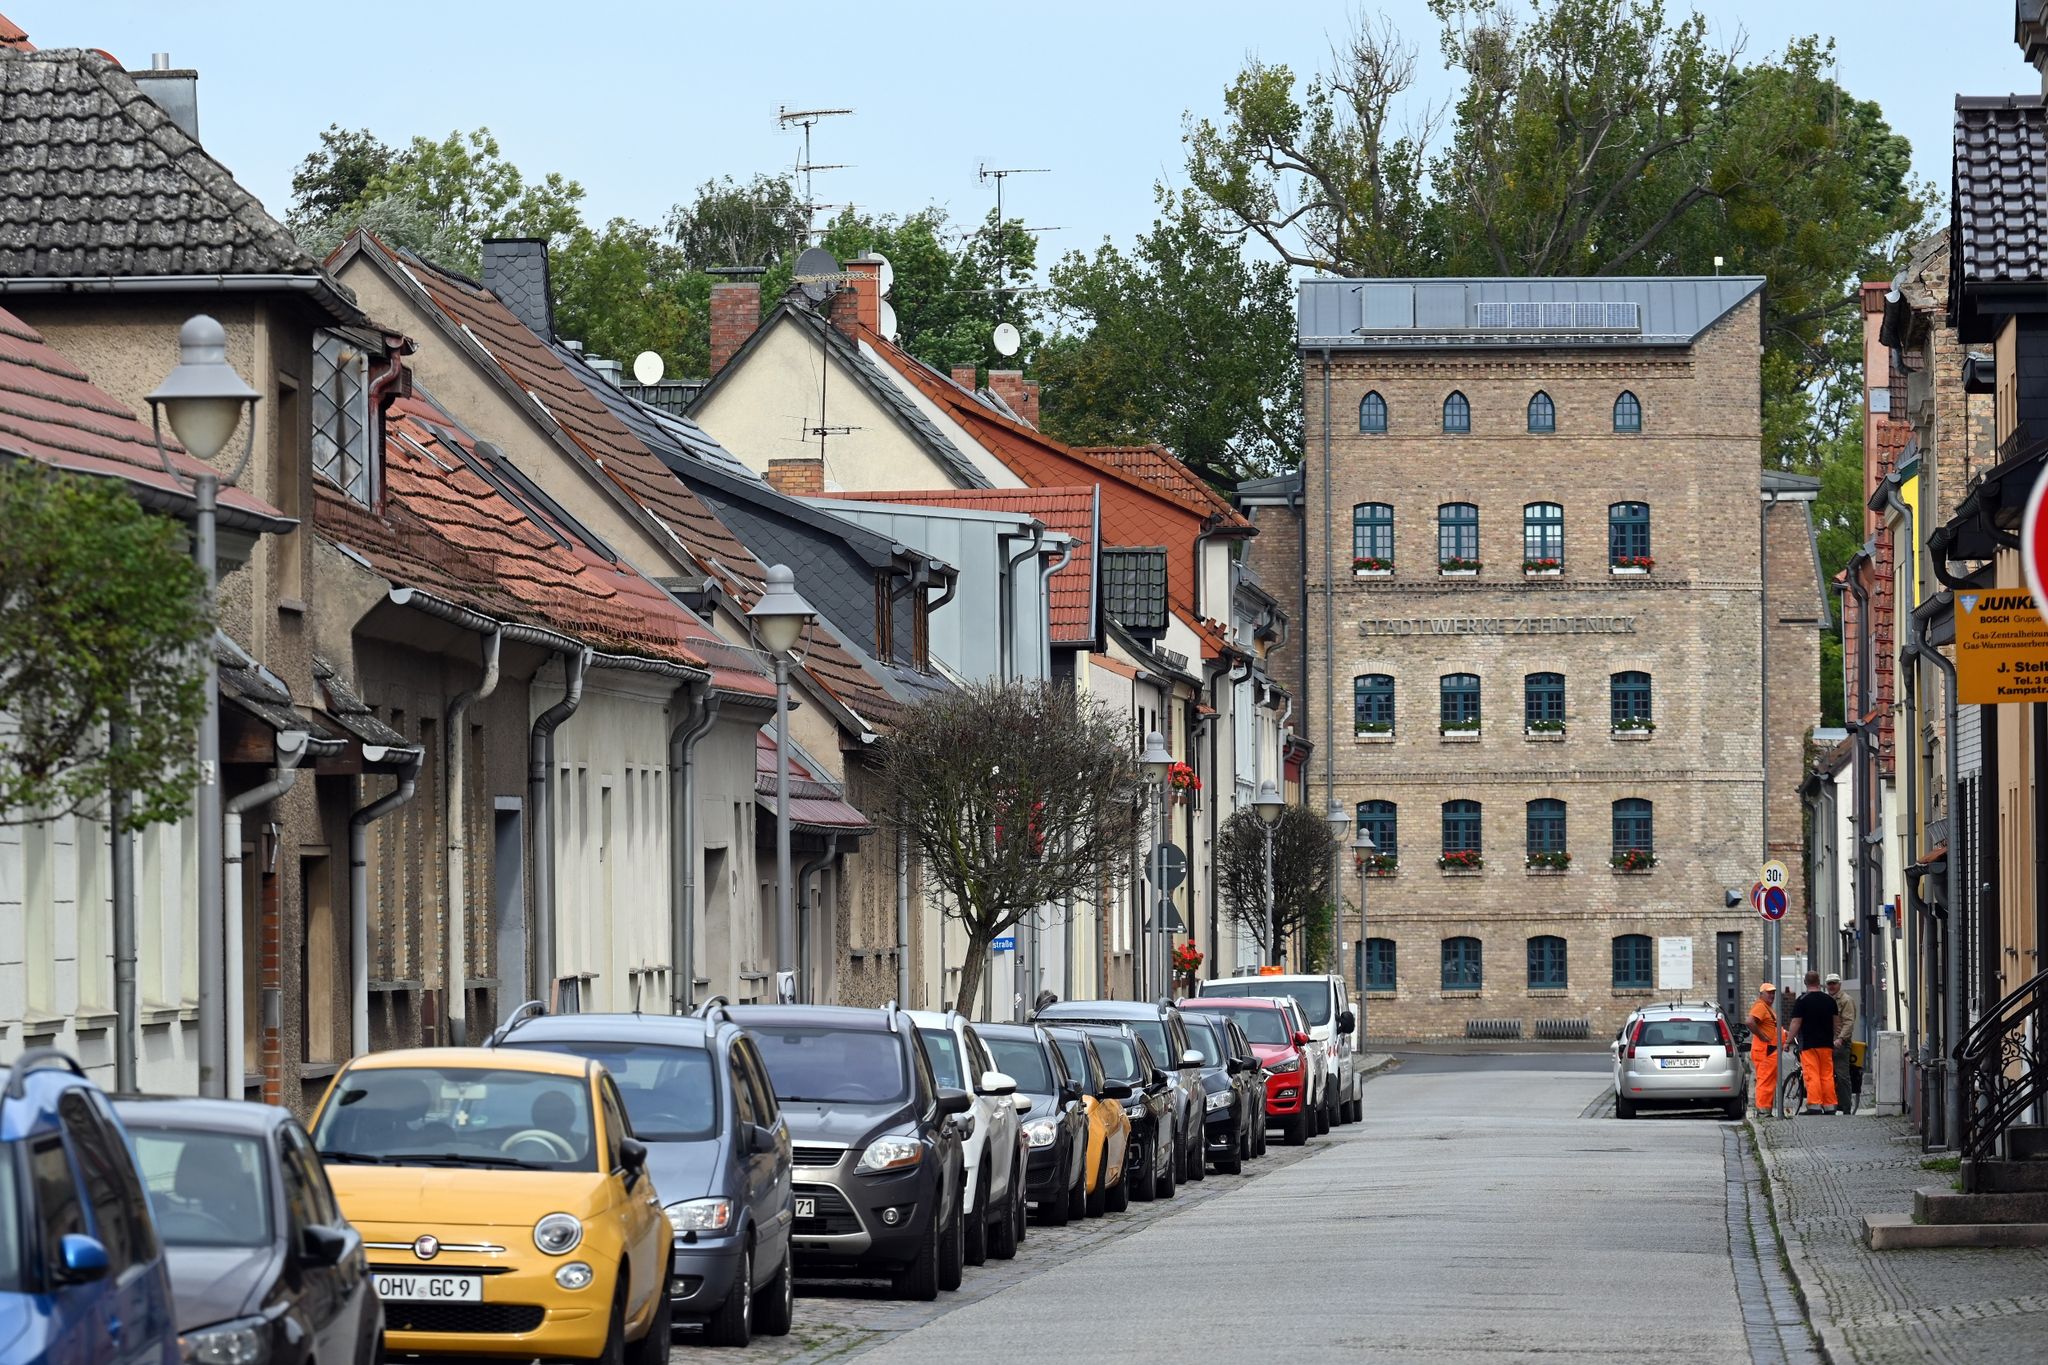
[(542, 637), (325, 290)]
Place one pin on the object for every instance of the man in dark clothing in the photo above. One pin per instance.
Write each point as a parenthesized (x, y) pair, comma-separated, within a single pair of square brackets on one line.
[(1813, 1019)]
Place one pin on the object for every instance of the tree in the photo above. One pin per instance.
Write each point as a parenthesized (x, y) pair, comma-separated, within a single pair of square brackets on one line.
[(1184, 343), (338, 173), (760, 223), (1016, 795), (1302, 853), (102, 615), (622, 290)]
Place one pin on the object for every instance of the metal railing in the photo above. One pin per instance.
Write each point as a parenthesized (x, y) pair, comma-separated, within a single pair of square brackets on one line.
[(2002, 1067)]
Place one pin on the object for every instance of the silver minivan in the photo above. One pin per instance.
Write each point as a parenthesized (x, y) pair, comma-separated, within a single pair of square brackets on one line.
[(1676, 1055)]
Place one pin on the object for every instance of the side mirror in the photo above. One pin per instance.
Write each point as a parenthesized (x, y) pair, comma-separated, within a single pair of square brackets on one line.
[(1070, 1093), (1158, 1078), (1190, 1060), (995, 1083), (1021, 1103), (81, 1258), (323, 1246), (760, 1140), (1347, 1022), (1301, 1040), (632, 1154), (953, 1101), (1116, 1090), (1240, 1065)]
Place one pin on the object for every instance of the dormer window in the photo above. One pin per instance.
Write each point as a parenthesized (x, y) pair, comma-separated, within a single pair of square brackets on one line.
[(342, 452)]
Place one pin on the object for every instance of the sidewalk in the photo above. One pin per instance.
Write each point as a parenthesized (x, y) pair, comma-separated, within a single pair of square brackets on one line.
[(1948, 1305)]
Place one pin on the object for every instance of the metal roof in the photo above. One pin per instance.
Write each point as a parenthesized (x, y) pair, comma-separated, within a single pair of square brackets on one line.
[(1576, 311)]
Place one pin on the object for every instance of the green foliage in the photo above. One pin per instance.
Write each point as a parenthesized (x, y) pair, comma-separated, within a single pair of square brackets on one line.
[(760, 223), (102, 614), (623, 290), (338, 173)]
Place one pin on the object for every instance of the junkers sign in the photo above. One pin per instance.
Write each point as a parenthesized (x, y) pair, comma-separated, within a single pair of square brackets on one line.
[(1504, 625)]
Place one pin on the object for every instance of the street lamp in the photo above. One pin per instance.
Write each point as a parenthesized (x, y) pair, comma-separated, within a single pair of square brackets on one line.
[(1363, 847), (779, 619), (204, 400), (1339, 823), (1156, 759), (1270, 806)]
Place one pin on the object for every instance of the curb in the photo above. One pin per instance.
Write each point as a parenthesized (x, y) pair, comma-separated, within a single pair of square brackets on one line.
[(1381, 1062), (1834, 1348)]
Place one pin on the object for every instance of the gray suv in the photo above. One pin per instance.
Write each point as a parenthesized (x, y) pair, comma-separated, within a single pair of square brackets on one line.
[(1166, 1034)]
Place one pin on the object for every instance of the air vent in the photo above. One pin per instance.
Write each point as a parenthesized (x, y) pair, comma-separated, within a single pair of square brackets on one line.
[(1557, 316)]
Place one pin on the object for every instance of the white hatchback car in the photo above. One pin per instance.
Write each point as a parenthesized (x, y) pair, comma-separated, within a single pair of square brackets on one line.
[(992, 1133), (1676, 1054)]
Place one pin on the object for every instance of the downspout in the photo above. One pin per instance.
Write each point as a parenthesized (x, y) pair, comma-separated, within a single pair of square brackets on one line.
[(456, 978), (359, 886), (1774, 940), (1045, 574), (1007, 652), (291, 748), (1866, 887), (540, 800), (1295, 501), (699, 715), (1909, 677), (1329, 611), (1232, 677), (903, 913), (1952, 974), (121, 886), (808, 908)]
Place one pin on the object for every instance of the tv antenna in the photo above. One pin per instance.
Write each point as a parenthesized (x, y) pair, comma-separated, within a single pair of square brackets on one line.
[(807, 119), (984, 174)]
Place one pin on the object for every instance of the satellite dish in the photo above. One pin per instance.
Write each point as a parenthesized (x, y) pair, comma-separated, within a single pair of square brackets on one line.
[(648, 369), (1006, 339), (886, 276), (887, 319), (817, 271)]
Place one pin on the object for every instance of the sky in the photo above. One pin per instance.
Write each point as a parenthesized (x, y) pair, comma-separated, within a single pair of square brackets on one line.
[(642, 102)]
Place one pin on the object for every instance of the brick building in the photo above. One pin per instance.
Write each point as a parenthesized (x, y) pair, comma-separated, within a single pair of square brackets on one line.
[(1543, 586)]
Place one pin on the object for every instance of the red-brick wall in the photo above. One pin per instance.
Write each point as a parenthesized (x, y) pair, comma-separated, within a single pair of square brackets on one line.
[(735, 312)]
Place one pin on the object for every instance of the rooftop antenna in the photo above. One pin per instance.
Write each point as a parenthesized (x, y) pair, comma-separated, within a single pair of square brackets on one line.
[(985, 174), (807, 119)]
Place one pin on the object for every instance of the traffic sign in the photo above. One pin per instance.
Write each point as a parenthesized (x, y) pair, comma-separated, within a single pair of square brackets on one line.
[(1006, 943), (1165, 915), (1166, 867), (1774, 902), (1756, 898), (2033, 551), (1775, 873)]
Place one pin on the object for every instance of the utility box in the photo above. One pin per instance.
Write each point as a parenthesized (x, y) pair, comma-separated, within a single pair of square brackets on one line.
[(1886, 1073)]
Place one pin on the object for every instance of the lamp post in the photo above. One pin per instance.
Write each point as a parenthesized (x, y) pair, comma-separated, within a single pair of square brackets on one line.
[(1270, 805), (1364, 848), (1156, 759), (1339, 824), (204, 400), (779, 619)]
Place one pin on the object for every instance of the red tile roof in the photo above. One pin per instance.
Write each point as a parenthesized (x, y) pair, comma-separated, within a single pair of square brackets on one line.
[(1070, 511), (1157, 467), (812, 804), (51, 413), (13, 35)]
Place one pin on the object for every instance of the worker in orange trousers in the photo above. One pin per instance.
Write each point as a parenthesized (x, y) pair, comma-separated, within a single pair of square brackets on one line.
[(1764, 1039)]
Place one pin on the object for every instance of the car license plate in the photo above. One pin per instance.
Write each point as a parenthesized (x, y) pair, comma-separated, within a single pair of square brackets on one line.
[(1679, 1063), (807, 1208), (441, 1288)]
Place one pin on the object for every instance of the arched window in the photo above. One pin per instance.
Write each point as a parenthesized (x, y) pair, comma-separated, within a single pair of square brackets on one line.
[(1635, 839), (1632, 963), (1546, 832), (1546, 963), (1542, 413), (1542, 536), (1458, 701), (1381, 820), (1457, 536), (1372, 704), (1543, 702), (1372, 536), (1628, 535), (1628, 413), (1462, 968), (1629, 702), (1461, 828), (1379, 964), (1372, 413), (1457, 414)]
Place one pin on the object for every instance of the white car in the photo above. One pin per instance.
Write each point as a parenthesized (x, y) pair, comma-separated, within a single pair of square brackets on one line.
[(1325, 1002), (992, 1134)]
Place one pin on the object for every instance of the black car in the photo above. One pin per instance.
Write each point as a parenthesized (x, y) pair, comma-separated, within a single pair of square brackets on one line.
[(878, 1171), (1127, 1061), (261, 1259), (697, 1096), (1077, 1049), (1229, 1109), (1056, 1124), (1165, 1033)]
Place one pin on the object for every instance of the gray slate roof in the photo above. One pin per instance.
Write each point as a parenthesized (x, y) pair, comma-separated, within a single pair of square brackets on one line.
[(2001, 175), (1531, 312), (516, 270), (1134, 586)]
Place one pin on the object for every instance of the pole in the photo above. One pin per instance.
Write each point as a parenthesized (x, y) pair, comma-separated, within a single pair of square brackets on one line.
[(785, 905), (121, 853), (1162, 906), (1272, 909), (903, 917), (211, 912), (1360, 956), (1773, 944)]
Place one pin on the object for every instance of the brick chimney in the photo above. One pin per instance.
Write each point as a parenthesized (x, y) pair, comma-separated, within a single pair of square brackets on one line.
[(800, 478), (860, 298), (964, 376), (1022, 398), (1029, 412), (735, 313)]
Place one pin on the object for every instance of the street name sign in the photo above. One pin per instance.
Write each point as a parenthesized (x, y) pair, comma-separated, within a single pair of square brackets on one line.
[(2001, 646), (1007, 943)]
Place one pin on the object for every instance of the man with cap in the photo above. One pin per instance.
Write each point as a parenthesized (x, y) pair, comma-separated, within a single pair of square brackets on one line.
[(1763, 1045), (1845, 1035)]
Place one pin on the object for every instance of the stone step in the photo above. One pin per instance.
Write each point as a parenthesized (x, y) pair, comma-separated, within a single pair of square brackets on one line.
[(2005, 1177), (2027, 1142), (1898, 1232), (1939, 1204)]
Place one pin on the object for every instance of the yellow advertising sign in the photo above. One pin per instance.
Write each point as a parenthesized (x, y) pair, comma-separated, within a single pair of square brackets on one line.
[(2001, 647)]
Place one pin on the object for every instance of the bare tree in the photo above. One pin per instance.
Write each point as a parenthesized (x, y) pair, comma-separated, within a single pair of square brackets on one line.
[(1302, 852), (1016, 794)]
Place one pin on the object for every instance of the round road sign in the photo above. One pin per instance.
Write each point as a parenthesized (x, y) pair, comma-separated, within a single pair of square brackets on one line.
[(1775, 873), (1774, 902)]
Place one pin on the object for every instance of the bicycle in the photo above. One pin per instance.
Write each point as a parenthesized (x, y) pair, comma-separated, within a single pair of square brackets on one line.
[(1791, 1098)]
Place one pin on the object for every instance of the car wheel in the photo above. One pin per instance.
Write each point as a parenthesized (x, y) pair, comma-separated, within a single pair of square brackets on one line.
[(1147, 1188), (1198, 1153), (732, 1322), (1321, 1119), (1052, 1210), (1624, 1109), (1296, 1129), (775, 1306), (652, 1349), (1166, 1175), (920, 1279), (1234, 1163), (953, 1252), (1008, 1230), (976, 1222), (1098, 1202), (1733, 1111), (1119, 1196)]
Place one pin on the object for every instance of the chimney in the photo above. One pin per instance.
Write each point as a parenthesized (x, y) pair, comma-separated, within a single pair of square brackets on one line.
[(735, 313), (613, 372), (1029, 412), (176, 92), (516, 270), (964, 376), (800, 478), (1020, 397), (859, 299), (2030, 31)]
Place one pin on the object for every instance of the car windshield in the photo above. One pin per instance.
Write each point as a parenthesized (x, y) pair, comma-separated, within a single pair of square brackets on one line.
[(847, 1066), (205, 1189), (1154, 1034), (459, 1116), (1679, 1033), (1022, 1062), (1264, 1026), (1202, 1038), (669, 1091), (1312, 996), (944, 1050), (1119, 1059)]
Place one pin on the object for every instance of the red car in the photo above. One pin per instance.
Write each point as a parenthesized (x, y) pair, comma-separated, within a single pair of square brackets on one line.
[(1282, 1049)]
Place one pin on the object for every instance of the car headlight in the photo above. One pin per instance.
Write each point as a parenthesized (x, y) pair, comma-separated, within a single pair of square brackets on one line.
[(558, 1234), (575, 1275), (245, 1341), (1132, 1111), (1041, 1132), (1219, 1100), (1288, 1067), (890, 1154), (700, 1215)]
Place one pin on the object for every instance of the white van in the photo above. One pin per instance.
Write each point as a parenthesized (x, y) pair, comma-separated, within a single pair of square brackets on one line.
[(1332, 1027)]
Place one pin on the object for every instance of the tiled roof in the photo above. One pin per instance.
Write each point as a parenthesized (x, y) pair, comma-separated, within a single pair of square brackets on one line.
[(814, 806), (1070, 511), (51, 413), (13, 35), (351, 712), (1134, 586), (1155, 467), (96, 180), (2001, 177)]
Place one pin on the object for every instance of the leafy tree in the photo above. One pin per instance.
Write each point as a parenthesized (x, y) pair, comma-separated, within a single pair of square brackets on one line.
[(1184, 342), (623, 290), (338, 173), (1302, 853), (102, 614), (760, 223), (1016, 794)]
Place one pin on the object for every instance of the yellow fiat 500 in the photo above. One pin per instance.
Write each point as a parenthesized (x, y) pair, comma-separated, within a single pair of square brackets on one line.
[(504, 1203)]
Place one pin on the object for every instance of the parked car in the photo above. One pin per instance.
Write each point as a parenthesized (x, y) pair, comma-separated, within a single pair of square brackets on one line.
[(1164, 1034), (1676, 1055), (1103, 1189), (504, 1202), (697, 1096), (879, 1175), (991, 1134), (80, 1261), (1255, 1079), (1230, 1108), (263, 1265), (1056, 1124), (1326, 1003), (1149, 1155), (1282, 1047)]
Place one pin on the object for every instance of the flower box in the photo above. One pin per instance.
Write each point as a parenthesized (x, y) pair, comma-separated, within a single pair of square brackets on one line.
[(1375, 736), (1633, 860), (1459, 871), (1372, 573), (1379, 864), (1460, 736), (1460, 862), (1542, 568), (1544, 736), (1549, 862), (1620, 572), (1370, 566), (1547, 871), (1637, 735), (1446, 572)]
